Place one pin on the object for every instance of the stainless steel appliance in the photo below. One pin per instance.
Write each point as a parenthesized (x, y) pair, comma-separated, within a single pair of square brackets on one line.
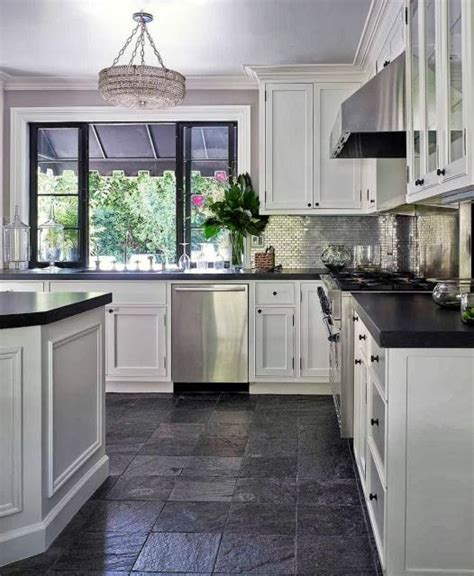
[(209, 333), (371, 122), (337, 312)]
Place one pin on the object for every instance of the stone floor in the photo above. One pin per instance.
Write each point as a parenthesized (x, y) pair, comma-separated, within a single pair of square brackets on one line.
[(221, 484)]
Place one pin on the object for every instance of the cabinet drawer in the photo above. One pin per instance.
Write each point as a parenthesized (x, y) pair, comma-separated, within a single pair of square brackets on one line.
[(376, 504), (274, 293), (361, 337), (138, 292), (376, 420), (21, 286), (377, 362)]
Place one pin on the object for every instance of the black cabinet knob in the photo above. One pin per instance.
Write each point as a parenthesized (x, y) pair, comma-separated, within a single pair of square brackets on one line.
[(355, 318), (111, 311), (374, 358), (419, 181), (259, 311), (441, 172), (357, 361), (309, 204), (362, 337), (316, 203), (275, 293), (372, 496), (374, 421), (386, 63), (372, 201)]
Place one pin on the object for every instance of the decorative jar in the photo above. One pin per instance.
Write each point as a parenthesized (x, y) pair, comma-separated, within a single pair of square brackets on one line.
[(336, 257)]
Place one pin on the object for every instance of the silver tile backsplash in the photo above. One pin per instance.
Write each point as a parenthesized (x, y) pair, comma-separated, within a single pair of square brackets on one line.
[(426, 244)]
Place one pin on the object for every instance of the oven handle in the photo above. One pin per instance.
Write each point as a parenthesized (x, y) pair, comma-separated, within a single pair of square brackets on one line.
[(332, 335)]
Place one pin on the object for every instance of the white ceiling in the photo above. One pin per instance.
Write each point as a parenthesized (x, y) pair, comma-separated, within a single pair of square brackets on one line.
[(196, 37)]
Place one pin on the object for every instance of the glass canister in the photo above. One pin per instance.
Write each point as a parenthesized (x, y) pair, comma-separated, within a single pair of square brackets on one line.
[(467, 308), (336, 256), (16, 243), (447, 293), (51, 242)]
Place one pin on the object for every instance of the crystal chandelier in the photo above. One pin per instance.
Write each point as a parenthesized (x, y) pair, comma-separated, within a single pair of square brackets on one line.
[(139, 85)]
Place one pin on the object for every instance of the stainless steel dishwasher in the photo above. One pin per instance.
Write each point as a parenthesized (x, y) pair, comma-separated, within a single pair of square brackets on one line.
[(209, 333)]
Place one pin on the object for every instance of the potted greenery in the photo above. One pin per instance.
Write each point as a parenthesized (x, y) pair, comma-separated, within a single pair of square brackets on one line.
[(238, 213)]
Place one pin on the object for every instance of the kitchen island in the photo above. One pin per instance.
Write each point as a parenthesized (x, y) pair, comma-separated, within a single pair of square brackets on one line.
[(52, 395), (414, 431)]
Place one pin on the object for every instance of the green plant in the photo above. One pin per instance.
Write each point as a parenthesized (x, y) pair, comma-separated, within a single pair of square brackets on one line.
[(238, 211)]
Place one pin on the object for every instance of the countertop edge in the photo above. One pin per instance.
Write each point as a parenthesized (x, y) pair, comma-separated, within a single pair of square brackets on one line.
[(28, 319)]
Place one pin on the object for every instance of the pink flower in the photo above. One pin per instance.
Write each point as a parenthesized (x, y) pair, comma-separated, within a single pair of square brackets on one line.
[(198, 201), (221, 176)]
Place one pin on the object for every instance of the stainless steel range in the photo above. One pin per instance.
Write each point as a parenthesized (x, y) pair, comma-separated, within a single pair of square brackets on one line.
[(337, 312)]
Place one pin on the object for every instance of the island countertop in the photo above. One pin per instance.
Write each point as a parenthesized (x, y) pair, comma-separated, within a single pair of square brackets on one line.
[(404, 320), (191, 275), (21, 309)]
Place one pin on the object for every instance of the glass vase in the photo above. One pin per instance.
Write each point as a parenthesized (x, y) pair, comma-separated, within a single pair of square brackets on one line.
[(237, 241)]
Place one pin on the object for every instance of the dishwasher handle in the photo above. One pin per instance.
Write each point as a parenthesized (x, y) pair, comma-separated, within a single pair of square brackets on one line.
[(210, 289)]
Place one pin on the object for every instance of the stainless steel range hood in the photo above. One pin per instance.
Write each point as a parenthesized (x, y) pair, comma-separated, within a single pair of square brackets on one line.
[(371, 122)]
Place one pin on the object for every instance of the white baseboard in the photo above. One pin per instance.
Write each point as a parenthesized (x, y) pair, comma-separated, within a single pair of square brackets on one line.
[(132, 387), (37, 538), (290, 388)]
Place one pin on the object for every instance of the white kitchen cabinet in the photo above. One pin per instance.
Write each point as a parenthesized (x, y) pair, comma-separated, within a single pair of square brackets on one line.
[(413, 438), (136, 342), (298, 175), (314, 345), (288, 146), (440, 98), (274, 342), (382, 183), (24, 286), (394, 43)]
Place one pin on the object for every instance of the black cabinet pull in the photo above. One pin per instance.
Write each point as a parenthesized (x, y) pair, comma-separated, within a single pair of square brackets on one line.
[(374, 358), (275, 293), (372, 201), (441, 172), (357, 361), (362, 337), (259, 311), (374, 421), (372, 496), (419, 181), (111, 311), (355, 319), (386, 63)]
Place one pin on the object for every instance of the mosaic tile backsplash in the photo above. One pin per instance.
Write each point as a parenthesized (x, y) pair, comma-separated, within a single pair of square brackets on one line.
[(426, 244)]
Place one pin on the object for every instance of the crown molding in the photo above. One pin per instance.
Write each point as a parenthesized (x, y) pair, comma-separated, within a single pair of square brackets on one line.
[(309, 72), (380, 20), (11, 82)]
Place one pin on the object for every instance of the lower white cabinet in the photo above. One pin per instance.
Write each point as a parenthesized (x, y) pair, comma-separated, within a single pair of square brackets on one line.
[(314, 345), (274, 341), (136, 341), (360, 415)]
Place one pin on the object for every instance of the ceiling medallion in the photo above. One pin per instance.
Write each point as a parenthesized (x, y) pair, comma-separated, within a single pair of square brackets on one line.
[(140, 86)]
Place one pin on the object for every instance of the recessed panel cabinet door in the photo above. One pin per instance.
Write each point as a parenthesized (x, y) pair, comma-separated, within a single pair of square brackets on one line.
[(314, 338), (360, 415), (274, 342), (289, 146), (136, 341)]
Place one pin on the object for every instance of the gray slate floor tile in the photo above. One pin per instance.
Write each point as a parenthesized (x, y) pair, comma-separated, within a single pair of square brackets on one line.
[(270, 491), (176, 552), (269, 467), (261, 519), (123, 517), (212, 466), (256, 554), (325, 520), (207, 489), (170, 446), (152, 465), (335, 493), (212, 446), (192, 517), (141, 488)]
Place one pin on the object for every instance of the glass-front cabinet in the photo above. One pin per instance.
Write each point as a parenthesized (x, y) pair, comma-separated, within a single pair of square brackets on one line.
[(439, 92)]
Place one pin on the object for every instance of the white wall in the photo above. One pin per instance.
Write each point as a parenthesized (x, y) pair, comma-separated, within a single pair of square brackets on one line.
[(37, 98)]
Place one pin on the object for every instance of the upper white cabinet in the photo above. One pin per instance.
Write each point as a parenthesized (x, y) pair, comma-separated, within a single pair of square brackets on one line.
[(298, 176), (289, 146), (440, 97), (394, 43)]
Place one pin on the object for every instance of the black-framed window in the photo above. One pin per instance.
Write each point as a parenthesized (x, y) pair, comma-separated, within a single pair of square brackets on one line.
[(143, 186)]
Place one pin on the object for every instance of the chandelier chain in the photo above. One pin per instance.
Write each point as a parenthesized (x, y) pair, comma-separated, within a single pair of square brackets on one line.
[(125, 46), (155, 49), (142, 49)]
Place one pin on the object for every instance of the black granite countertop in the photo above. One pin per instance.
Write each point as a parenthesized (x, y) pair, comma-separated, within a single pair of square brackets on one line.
[(193, 275), (402, 320), (21, 309)]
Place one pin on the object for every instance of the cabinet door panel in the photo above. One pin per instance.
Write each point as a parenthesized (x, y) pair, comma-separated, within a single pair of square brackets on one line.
[(360, 415), (274, 342), (136, 341), (414, 113), (314, 340), (289, 146), (336, 184)]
